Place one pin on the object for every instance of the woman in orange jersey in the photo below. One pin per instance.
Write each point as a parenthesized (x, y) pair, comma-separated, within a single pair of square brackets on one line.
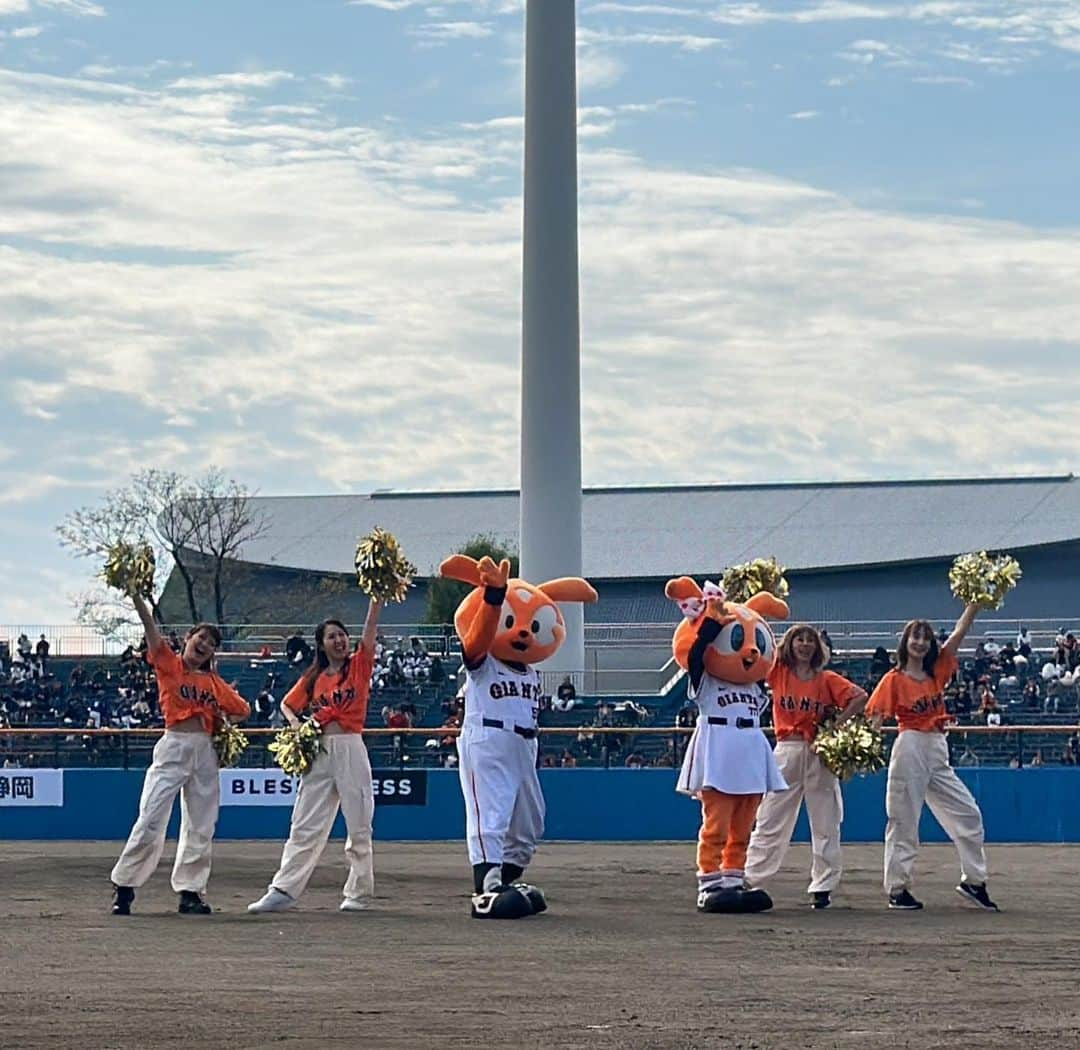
[(803, 696), (192, 697), (335, 689), (919, 770)]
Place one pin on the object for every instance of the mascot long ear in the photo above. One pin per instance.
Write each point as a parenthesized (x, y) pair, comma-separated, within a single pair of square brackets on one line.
[(681, 588), (765, 604), (569, 589), (461, 567)]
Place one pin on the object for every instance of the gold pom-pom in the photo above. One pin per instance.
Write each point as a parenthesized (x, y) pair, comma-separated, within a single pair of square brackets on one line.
[(854, 747), (229, 743), (752, 577), (382, 570), (295, 750), (129, 567), (984, 579)]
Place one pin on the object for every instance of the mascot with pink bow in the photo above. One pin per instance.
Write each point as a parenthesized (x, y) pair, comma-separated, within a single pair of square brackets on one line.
[(727, 649)]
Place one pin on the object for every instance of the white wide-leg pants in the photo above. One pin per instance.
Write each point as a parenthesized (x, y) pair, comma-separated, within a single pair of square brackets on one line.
[(340, 777), (183, 763), (919, 772), (810, 781)]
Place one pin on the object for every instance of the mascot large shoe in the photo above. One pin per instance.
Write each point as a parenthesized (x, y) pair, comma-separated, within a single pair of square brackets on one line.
[(506, 627), (734, 901)]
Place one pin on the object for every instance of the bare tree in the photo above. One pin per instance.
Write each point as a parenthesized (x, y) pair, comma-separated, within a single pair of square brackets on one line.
[(188, 522), (226, 519)]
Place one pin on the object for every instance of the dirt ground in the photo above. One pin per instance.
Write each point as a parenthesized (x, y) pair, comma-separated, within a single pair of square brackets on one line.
[(622, 959)]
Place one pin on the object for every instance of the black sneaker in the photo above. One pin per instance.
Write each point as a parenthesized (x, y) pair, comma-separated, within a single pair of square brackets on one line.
[(122, 898), (820, 900), (977, 895), (192, 904), (903, 901)]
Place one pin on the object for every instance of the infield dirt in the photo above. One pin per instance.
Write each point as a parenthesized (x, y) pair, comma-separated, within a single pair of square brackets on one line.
[(622, 959)]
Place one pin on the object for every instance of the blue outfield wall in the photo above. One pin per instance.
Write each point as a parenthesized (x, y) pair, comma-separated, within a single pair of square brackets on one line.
[(1026, 805)]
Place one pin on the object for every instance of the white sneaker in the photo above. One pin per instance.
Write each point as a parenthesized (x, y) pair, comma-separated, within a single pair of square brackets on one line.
[(272, 900), (355, 904)]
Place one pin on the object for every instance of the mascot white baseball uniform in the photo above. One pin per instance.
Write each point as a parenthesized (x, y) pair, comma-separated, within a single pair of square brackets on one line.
[(727, 650), (505, 626)]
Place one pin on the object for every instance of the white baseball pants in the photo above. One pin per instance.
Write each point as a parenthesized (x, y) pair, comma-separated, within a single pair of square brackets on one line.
[(810, 781), (919, 772), (504, 807), (340, 777), (184, 763)]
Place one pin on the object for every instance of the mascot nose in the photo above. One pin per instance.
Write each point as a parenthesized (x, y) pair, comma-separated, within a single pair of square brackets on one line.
[(523, 634)]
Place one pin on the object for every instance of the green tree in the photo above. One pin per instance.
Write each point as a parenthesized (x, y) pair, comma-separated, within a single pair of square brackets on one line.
[(444, 596)]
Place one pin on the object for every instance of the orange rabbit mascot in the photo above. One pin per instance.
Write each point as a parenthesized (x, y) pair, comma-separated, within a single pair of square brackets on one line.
[(727, 650), (505, 626)]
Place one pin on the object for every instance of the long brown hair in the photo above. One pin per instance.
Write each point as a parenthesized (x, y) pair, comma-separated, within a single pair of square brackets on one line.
[(322, 661), (932, 653), (786, 652), (214, 631)]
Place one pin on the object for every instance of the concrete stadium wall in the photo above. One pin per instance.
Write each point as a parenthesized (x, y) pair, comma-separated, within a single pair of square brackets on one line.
[(1026, 805)]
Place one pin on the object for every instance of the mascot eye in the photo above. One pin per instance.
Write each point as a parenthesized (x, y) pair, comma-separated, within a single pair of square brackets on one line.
[(543, 625), (730, 639), (764, 641), (508, 622), (508, 615)]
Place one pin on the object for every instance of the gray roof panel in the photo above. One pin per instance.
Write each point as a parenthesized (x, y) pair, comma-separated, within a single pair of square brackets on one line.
[(664, 531)]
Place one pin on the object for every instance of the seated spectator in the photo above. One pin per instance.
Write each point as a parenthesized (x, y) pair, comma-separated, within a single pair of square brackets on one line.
[(880, 663), (568, 760), (988, 704), (990, 647), (24, 648), (635, 760), (264, 705), (1007, 659), (1037, 759), (297, 651), (548, 761), (417, 647), (1031, 697), (1015, 762), (1023, 643), (436, 672), (686, 718), (565, 696)]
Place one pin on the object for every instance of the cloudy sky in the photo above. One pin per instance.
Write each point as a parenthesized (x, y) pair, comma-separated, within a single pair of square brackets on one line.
[(822, 238)]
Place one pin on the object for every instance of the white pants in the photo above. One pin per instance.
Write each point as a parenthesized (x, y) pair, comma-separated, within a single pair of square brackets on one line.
[(919, 772), (341, 777), (184, 763), (504, 808), (808, 780)]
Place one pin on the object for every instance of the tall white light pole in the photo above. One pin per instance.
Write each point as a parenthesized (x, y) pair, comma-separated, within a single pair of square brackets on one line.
[(551, 341)]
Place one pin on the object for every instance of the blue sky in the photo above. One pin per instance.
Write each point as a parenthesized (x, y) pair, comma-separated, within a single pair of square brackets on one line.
[(841, 238)]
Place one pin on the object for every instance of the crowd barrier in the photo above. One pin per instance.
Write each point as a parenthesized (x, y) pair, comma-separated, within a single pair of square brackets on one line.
[(1019, 805)]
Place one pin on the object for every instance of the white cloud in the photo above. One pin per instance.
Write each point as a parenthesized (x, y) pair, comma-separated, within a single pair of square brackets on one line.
[(805, 114), (209, 279), (443, 32), (26, 32), (14, 7), (334, 81), (264, 79)]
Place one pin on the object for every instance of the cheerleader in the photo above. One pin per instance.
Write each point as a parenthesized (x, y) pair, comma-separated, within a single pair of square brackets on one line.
[(919, 770), (335, 689), (803, 696), (192, 696)]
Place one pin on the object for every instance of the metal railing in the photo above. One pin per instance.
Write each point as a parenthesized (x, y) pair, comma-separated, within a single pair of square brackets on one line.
[(129, 748)]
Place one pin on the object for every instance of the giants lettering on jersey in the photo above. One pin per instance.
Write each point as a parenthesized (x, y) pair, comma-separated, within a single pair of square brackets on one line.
[(200, 697), (338, 698), (752, 700), (525, 690), (805, 705), (929, 705)]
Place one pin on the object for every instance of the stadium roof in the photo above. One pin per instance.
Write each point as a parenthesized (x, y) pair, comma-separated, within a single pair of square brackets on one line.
[(658, 532)]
